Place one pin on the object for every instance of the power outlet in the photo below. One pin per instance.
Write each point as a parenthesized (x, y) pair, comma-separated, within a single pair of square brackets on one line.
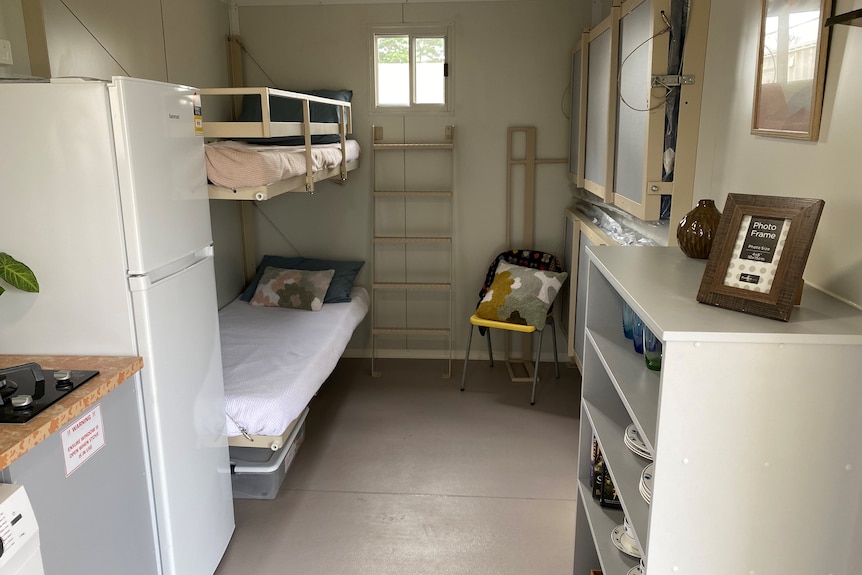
[(5, 53)]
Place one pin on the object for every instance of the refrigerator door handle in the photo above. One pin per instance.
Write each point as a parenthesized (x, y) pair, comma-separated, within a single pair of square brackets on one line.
[(143, 282)]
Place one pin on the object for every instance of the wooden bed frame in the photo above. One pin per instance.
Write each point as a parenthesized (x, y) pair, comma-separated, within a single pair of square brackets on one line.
[(267, 128)]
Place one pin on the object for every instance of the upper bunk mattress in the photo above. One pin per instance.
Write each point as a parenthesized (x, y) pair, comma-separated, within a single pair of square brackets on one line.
[(275, 359), (235, 164)]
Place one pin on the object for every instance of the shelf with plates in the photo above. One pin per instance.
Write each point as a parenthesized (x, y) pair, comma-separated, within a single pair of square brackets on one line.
[(604, 520), (724, 420), (637, 387)]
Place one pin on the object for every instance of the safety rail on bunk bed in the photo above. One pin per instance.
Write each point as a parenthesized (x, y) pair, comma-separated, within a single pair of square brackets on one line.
[(267, 128)]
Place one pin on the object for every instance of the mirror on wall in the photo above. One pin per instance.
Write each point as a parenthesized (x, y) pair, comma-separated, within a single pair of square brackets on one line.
[(791, 68)]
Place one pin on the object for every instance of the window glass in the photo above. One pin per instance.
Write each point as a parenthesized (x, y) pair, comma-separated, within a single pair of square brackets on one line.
[(430, 82), (393, 70), (411, 68)]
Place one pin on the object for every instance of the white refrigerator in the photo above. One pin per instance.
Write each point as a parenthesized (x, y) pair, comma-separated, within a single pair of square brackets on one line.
[(103, 194)]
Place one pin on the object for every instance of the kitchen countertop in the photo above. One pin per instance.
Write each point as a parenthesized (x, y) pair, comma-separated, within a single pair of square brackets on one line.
[(16, 440)]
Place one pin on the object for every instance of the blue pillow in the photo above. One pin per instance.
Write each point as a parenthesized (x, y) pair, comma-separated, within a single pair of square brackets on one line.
[(290, 110), (339, 287)]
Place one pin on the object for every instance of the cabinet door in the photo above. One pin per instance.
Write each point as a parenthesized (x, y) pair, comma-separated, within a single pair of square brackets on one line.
[(641, 109), (580, 233), (578, 134), (581, 294), (601, 109), (98, 519)]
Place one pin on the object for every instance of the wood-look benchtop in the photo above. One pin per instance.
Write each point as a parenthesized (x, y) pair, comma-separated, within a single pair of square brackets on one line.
[(18, 439)]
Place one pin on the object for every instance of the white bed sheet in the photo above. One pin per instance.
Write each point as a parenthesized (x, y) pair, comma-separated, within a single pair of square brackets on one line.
[(275, 359), (235, 164)]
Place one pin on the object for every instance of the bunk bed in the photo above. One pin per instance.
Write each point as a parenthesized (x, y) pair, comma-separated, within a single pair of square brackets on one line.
[(274, 361), (274, 358), (267, 151)]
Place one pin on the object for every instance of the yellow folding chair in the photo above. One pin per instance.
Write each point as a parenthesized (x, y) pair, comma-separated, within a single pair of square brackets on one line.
[(520, 299)]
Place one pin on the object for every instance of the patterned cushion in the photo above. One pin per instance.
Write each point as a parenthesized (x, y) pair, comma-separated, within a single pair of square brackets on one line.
[(520, 295), (297, 289), (339, 288)]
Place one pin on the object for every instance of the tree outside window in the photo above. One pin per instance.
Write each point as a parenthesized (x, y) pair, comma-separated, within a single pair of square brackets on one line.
[(410, 70)]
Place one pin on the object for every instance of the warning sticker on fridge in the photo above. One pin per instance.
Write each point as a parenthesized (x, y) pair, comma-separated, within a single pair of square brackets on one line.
[(82, 439)]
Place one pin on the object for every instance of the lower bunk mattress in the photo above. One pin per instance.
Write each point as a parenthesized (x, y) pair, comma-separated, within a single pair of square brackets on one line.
[(233, 164), (275, 359)]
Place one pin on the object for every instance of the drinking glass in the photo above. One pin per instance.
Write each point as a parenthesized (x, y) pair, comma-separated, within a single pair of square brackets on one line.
[(628, 320), (638, 334), (652, 350)]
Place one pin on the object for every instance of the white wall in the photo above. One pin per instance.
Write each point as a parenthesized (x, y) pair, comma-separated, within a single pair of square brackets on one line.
[(731, 160), (12, 29), (511, 68), (180, 41)]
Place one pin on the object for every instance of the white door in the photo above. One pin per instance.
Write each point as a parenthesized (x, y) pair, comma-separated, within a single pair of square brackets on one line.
[(162, 172), (178, 336)]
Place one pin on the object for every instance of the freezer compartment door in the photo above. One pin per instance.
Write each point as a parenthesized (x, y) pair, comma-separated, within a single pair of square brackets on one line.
[(160, 162), (177, 325), (60, 215)]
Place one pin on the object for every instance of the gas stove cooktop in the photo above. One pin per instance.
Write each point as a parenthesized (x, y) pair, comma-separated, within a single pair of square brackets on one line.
[(27, 390)]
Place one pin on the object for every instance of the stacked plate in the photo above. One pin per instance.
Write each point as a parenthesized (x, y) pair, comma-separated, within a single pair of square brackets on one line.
[(624, 540), (633, 441), (639, 569), (646, 482)]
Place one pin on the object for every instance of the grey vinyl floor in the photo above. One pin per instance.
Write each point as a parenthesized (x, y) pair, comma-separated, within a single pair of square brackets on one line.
[(404, 474)]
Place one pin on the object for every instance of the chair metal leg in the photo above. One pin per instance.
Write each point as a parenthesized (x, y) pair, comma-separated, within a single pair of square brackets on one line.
[(490, 353), (466, 357), (554, 338), (536, 368)]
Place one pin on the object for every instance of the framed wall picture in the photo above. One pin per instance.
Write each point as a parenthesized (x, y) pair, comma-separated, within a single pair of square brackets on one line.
[(791, 68), (759, 253)]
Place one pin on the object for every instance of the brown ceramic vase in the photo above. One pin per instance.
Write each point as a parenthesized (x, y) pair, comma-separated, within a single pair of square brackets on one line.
[(697, 228)]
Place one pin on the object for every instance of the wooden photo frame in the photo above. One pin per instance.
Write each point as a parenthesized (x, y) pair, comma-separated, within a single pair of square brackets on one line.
[(791, 69), (759, 253)]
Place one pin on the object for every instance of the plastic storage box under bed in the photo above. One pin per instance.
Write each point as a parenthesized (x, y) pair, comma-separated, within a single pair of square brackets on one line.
[(257, 473)]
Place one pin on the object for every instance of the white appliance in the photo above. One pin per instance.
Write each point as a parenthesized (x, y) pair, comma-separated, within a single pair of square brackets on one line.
[(19, 533), (103, 195)]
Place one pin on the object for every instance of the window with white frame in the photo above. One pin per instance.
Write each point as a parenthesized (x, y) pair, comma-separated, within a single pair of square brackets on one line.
[(411, 68)]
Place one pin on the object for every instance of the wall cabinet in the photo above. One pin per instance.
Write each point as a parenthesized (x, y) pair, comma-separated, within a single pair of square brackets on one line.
[(753, 425), (636, 106)]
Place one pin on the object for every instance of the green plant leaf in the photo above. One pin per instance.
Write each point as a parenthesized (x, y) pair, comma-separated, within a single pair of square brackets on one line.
[(17, 274)]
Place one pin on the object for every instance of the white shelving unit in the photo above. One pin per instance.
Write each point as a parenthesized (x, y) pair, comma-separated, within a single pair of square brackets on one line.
[(753, 424), (413, 222)]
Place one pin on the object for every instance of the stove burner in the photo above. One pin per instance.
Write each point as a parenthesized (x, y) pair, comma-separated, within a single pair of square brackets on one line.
[(7, 388), (24, 392)]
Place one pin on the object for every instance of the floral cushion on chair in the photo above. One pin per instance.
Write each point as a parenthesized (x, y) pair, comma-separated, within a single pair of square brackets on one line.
[(298, 289), (520, 295)]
